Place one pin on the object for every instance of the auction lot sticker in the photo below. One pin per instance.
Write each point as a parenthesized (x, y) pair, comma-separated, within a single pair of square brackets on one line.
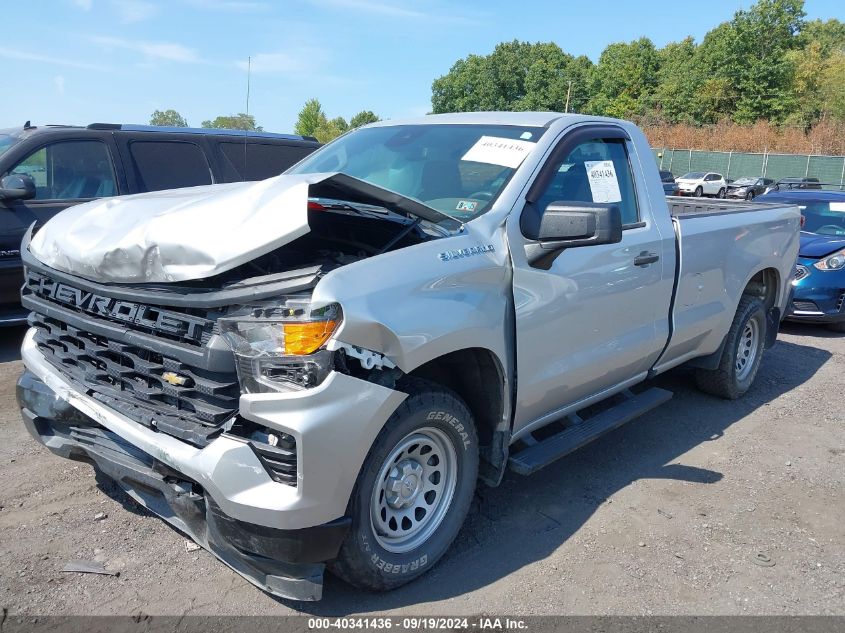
[(495, 150), (603, 183)]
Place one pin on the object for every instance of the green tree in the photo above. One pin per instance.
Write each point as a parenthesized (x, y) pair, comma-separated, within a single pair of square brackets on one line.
[(329, 130), (515, 76), (751, 51), (362, 118), (830, 35), (625, 78), (311, 117), (239, 121), (678, 78), (312, 121), (168, 118)]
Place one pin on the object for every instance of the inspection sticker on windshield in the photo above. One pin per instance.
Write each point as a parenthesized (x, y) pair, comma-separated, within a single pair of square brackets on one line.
[(466, 205), (495, 150), (603, 183)]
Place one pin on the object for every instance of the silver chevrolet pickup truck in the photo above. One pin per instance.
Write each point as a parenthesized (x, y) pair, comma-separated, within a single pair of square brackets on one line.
[(315, 370)]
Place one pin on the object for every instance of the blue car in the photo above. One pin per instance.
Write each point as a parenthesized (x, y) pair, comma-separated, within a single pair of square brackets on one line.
[(819, 283)]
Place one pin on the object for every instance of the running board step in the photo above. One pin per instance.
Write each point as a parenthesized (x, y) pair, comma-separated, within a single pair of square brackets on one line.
[(582, 432)]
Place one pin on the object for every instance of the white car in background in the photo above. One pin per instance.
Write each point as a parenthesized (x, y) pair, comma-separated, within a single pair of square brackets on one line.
[(702, 183)]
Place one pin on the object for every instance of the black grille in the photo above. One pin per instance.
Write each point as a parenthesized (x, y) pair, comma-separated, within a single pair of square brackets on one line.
[(805, 306), (130, 379)]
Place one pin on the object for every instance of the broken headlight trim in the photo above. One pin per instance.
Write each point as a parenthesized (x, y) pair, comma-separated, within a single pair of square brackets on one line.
[(279, 347)]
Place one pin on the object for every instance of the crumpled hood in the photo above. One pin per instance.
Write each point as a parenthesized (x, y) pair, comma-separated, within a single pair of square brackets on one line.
[(815, 245), (198, 232), (176, 235)]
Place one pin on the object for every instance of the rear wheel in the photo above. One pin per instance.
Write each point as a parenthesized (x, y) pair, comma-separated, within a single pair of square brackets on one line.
[(698, 192), (413, 492), (742, 353)]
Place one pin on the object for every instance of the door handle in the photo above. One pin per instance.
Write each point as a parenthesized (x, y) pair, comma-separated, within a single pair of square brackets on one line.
[(645, 258)]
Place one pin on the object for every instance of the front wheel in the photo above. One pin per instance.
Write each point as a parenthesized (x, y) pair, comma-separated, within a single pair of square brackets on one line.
[(413, 492), (721, 193), (741, 355), (698, 192), (749, 196)]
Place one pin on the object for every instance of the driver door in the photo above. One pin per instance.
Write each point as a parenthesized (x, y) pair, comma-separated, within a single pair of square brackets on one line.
[(596, 318)]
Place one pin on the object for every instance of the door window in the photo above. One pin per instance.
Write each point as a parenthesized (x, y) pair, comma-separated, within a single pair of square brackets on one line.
[(169, 165), (596, 170), (70, 170), (263, 160)]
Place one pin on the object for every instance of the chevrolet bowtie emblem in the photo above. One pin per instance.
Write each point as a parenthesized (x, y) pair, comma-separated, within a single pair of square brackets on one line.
[(174, 378)]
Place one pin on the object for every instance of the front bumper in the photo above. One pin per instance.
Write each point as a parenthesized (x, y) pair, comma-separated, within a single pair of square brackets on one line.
[(740, 194), (818, 296), (287, 563), (333, 424)]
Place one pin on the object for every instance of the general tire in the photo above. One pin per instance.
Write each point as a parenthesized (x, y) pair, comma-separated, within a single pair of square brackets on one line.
[(699, 192), (733, 377), (369, 559)]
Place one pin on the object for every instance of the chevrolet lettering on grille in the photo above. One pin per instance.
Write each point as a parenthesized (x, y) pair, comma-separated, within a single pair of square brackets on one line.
[(175, 323)]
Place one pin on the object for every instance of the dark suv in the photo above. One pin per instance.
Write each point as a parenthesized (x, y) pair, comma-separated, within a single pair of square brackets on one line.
[(46, 169)]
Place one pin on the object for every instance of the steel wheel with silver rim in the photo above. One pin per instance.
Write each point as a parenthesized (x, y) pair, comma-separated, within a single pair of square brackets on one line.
[(749, 343), (413, 490), (743, 351)]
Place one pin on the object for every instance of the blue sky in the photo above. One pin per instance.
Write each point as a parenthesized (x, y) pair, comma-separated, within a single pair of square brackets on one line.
[(78, 61)]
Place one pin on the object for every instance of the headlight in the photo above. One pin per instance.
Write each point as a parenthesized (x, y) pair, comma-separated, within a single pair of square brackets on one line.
[(832, 262), (278, 346)]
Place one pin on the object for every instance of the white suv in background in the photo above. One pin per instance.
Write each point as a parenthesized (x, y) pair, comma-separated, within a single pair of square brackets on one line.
[(702, 183)]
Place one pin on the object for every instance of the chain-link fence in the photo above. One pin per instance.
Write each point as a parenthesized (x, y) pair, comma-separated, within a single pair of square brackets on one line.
[(733, 165)]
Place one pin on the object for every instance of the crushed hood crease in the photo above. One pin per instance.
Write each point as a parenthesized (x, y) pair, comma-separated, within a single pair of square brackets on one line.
[(176, 235)]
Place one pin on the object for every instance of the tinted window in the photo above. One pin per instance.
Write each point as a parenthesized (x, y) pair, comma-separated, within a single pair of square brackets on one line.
[(577, 180), (70, 170), (169, 165), (263, 160), (666, 176)]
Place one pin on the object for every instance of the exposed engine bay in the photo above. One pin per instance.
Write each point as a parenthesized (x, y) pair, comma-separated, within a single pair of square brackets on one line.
[(340, 234)]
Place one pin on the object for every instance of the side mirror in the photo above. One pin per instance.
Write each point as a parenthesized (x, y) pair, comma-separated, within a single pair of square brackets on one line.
[(571, 224), (17, 187)]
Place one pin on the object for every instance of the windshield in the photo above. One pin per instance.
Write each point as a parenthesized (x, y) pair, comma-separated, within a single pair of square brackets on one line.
[(745, 181), (459, 170), (693, 175), (824, 218), (666, 176), (6, 142)]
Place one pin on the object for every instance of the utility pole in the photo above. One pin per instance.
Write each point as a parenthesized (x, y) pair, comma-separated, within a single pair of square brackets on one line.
[(568, 92)]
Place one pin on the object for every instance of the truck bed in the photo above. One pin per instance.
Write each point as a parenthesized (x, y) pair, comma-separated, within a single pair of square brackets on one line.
[(681, 207), (715, 259)]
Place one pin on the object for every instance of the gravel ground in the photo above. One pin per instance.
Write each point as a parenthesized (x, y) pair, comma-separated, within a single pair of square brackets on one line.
[(670, 514)]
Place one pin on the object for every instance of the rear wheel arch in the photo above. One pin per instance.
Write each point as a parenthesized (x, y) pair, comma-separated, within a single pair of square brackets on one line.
[(764, 284)]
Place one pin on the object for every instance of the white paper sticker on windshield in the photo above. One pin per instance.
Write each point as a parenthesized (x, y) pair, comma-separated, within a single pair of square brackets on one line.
[(603, 183), (495, 150), (837, 206)]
